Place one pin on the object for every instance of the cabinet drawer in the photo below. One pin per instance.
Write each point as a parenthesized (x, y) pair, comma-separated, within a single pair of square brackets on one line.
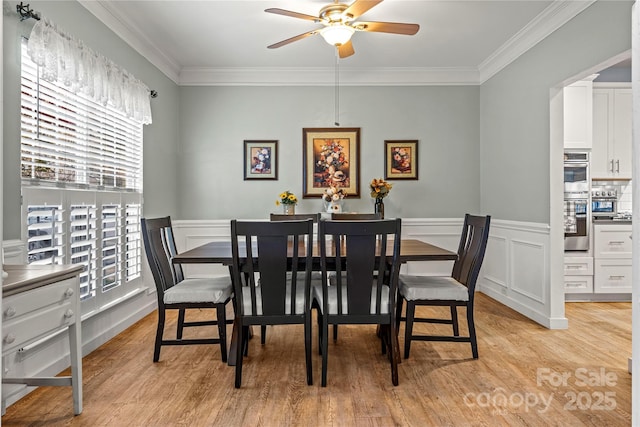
[(21, 330), (55, 294), (578, 284), (578, 266), (612, 276), (612, 241)]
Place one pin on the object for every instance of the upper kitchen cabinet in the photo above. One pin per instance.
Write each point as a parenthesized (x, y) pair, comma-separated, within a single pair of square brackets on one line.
[(611, 153), (578, 113)]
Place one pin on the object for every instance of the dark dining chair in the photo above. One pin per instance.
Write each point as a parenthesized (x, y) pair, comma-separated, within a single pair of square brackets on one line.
[(452, 291), (351, 216), (315, 275), (271, 270), (365, 285), (175, 292)]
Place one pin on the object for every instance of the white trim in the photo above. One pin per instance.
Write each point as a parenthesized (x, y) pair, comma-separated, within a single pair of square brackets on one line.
[(324, 76), (549, 20), (553, 17), (124, 29)]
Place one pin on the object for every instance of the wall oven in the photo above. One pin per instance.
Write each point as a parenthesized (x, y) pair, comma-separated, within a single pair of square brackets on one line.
[(577, 201)]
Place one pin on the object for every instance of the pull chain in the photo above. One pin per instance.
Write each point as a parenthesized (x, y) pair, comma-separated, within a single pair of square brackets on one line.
[(337, 91)]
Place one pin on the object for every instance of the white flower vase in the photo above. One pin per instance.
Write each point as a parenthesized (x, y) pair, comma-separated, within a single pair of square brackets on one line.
[(288, 209), (333, 206)]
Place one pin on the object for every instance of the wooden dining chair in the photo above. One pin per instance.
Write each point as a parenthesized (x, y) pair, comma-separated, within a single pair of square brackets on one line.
[(175, 292), (271, 270), (315, 275), (452, 291), (363, 292), (351, 216)]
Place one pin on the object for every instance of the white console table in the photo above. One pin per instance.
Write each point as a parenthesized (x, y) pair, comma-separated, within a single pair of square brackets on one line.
[(38, 301)]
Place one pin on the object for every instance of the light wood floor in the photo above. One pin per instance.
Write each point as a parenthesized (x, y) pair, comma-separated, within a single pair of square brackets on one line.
[(517, 381)]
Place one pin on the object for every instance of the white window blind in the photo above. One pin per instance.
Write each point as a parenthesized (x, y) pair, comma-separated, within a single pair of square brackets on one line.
[(81, 166), (67, 138)]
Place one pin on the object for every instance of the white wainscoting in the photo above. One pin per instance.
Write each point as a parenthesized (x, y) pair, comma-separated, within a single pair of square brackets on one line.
[(515, 271)]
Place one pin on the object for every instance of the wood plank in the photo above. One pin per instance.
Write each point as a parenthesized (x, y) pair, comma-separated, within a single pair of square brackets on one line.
[(440, 384)]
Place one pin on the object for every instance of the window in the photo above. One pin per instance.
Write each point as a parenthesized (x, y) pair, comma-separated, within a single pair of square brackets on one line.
[(81, 166)]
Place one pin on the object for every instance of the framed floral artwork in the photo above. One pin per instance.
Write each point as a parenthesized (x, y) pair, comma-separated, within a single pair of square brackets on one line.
[(260, 160), (401, 159), (331, 158)]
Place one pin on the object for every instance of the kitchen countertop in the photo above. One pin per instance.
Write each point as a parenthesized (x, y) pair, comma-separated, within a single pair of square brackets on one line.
[(612, 221), (26, 277)]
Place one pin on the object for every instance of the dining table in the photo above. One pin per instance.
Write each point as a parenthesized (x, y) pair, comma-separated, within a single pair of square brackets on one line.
[(219, 252)]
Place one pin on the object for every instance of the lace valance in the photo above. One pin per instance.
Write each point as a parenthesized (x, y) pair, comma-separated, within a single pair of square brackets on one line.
[(69, 63)]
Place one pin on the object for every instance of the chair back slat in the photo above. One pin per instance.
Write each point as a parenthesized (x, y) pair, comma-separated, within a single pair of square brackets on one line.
[(270, 251), (357, 252), (160, 248), (473, 243)]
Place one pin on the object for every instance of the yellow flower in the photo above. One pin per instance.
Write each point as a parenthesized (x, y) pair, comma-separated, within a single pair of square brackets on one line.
[(287, 198)]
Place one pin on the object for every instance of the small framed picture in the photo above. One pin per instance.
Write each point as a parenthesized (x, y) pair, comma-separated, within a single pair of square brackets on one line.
[(401, 159), (260, 160)]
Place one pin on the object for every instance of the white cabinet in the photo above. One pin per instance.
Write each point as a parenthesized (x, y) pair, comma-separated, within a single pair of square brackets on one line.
[(38, 302), (613, 276), (578, 275), (578, 114), (612, 114), (612, 263)]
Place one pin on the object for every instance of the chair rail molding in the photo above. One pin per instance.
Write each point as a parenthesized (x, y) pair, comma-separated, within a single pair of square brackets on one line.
[(515, 271)]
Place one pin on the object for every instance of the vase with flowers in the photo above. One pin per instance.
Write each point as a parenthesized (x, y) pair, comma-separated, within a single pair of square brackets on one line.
[(332, 198), (288, 200), (379, 190)]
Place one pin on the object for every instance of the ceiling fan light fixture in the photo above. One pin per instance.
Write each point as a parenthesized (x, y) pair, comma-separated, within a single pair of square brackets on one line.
[(337, 35)]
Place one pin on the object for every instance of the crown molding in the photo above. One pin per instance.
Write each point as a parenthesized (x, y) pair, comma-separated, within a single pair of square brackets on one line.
[(325, 76), (553, 17), (127, 31), (550, 19)]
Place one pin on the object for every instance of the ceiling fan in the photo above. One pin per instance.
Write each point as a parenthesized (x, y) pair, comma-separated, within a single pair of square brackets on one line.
[(339, 22)]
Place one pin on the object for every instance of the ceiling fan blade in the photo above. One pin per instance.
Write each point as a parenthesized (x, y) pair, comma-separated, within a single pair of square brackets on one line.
[(293, 39), (346, 50), (292, 14), (359, 7), (387, 27)]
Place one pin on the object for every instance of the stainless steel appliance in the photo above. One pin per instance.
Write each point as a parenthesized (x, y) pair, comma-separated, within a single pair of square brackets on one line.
[(577, 201), (604, 202)]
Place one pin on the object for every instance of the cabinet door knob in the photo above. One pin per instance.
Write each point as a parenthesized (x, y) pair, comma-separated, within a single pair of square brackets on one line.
[(617, 166), (68, 293), (68, 314), (10, 312), (9, 338)]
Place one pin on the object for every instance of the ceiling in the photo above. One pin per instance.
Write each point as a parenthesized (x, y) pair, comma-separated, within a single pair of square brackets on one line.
[(225, 42)]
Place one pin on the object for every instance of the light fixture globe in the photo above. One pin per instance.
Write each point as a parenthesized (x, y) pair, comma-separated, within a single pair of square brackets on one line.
[(337, 34)]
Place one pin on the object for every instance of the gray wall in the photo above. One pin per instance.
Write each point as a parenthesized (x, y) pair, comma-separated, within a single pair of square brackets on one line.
[(160, 148), (514, 109), (216, 120)]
